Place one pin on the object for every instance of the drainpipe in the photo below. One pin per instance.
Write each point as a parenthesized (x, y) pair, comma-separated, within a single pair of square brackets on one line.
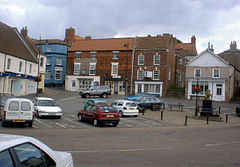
[(133, 52)]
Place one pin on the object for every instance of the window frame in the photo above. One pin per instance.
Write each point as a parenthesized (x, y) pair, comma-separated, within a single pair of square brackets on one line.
[(78, 55), (154, 59), (195, 72), (142, 76), (140, 63), (93, 55), (115, 54), (213, 73), (91, 69), (75, 72), (113, 72), (154, 75), (8, 63), (59, 61), (60, 75)]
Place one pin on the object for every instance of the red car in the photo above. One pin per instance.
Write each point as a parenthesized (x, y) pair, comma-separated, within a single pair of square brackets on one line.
[(99, 114)]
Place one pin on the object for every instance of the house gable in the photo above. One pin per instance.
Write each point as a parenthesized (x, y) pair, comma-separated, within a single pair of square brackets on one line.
[(207, 59)]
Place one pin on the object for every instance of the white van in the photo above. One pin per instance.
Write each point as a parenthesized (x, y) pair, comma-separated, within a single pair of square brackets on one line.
[(19, 110)]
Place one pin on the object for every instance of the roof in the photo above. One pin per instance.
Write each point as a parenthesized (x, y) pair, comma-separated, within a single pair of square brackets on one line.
[(102, 44), (12, 43), (49, 41), (156, 42), (43, 98), (188, 48)]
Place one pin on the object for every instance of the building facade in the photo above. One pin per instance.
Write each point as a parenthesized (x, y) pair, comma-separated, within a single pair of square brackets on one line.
[(19, 65)]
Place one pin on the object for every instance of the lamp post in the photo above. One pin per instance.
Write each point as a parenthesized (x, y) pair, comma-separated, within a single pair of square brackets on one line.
[(126, 79), (197, 90)]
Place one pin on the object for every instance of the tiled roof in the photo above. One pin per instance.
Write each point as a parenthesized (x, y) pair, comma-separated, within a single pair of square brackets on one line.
[(12, 43), (49, 41), (102, 44), (156, 42), (188, 48)]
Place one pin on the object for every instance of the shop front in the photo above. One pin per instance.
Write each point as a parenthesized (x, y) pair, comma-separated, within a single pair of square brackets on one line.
[(152, 87)]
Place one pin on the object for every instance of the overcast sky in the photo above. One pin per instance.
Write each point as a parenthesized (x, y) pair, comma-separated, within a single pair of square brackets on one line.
[(214, 21)]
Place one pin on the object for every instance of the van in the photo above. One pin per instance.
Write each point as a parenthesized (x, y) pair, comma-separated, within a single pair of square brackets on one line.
[(17, 110)]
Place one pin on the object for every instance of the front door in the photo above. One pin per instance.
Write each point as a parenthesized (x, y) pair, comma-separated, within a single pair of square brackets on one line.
[(115, 87), (219, 92)]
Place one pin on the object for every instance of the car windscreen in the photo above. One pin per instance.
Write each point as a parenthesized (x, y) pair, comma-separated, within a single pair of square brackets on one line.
[(107, 109), (46, 103), (131, 104)]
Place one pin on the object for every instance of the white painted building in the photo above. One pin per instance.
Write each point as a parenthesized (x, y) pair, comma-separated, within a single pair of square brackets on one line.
[(19, 65), (209, 71)]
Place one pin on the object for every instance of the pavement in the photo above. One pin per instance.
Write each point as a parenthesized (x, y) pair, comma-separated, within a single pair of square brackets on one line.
[(185, 117)]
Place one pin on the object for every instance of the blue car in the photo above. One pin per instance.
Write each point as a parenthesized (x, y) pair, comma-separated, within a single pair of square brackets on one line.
[(147, 102), (139, 94)]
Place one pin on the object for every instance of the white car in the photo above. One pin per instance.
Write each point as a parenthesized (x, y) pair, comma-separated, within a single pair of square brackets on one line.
[(27, 151), (44, 106), (126, 107)]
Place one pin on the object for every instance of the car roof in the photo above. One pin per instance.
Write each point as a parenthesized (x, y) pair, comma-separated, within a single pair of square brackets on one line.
[(19, 99), (43, 98), (7, 141), (97, 100), (125, 101)]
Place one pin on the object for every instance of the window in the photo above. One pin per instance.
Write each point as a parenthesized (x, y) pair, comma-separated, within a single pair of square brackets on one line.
[(48, 49), (140, 74), (216, 73), (115, 54), (25, 106), (20, 66), (85, 83), (8, 63), (6, 159), (78, 55), (76, 68), (93, 55), (13, 106), (114, 68), (156, 60), (58, 75), (48, 61), (140, 59), (29, 155), (59, 61), (197, 73), (41, 61), (156, 74), (30, 68), (92, 69), (120, 103), (180, 61), (219, 89), (48, 75), (203, 87)]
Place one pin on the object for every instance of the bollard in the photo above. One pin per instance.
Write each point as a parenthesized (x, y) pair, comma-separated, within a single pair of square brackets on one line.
[(161, 114), (226, 118), (219, 110), (207, 118), (186, 120), (179, 106)]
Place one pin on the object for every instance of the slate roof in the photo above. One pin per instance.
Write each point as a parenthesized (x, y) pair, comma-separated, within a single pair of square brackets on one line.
[(12, 43), (102, 44)]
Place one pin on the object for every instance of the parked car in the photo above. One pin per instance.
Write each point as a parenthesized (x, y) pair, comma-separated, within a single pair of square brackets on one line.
[(94, 101), (17, 110), (147, 102), (101, 91), (99, 114), (44, 106), (125, 107), (238, 110), (27, 151), (139, 94)]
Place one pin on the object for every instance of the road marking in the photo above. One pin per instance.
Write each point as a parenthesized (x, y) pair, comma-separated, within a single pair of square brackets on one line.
[(42, 123), (60, 125), (74, 116), (128, 120), (78, 123), (220, 144), (120, 150)]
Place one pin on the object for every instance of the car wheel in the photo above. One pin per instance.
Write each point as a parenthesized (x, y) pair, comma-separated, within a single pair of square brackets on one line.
[(58, 117), (120, 113), (104, 95), (30, 124), (96, 122), (80, 118), (87, 96), (115, 124)]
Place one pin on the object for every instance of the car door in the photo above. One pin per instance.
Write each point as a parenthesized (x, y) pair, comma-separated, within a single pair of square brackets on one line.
[(114, 104), (13, 110), (92, 113), (26, 110), (120, 106)]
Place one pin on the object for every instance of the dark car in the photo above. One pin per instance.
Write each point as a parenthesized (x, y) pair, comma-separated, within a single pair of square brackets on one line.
[(99, 114), (139, 94), (147, 102), (238, 110)]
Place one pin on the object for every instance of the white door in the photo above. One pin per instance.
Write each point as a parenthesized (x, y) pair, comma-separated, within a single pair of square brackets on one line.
[(26, 111), (219, 91), (13, 110)]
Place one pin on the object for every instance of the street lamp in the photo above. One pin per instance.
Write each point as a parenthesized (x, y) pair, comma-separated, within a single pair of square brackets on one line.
[(126, 79), (197, 90)]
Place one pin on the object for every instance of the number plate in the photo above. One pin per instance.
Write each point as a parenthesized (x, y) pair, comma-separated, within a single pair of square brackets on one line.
[(18, 121), (131, 108), (109, 116)]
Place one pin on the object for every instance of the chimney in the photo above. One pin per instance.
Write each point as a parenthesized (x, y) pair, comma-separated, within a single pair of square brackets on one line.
[(193, 40), (233, 45), (88, 37), (210, 48), (70, 35), (24, 32)]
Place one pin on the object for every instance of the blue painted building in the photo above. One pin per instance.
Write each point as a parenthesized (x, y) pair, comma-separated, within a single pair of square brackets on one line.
[(56, 51)]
